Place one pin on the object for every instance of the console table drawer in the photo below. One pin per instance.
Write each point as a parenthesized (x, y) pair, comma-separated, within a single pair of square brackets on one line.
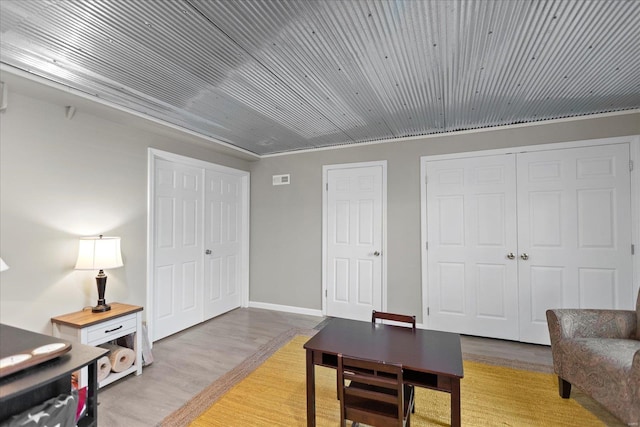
[(97, 334)]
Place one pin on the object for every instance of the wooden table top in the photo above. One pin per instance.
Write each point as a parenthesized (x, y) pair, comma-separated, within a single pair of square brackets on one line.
[(84, 318), (420, 350)]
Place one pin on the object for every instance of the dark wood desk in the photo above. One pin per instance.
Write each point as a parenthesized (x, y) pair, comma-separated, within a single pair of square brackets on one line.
[(29, 387), (431, 359)]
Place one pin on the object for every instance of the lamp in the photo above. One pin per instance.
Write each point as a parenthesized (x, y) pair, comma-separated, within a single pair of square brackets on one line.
[(3, 265), (99, 253)]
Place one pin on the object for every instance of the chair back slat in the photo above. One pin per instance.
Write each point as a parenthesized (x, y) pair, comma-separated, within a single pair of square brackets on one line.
[(373, 379), (372, 392), (402, 318)]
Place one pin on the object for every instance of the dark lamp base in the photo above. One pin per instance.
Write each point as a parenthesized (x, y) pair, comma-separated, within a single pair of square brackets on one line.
[(101, 308), (101, 282)]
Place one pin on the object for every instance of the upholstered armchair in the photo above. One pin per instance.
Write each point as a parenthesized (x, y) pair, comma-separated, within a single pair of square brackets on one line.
[(598, 351)]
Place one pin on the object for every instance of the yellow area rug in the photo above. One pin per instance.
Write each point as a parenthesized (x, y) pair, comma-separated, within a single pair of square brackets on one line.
[(274, 394)]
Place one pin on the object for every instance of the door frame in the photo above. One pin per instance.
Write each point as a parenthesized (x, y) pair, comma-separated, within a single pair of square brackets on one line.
[(154, 154), (634, 155), (325, 222)]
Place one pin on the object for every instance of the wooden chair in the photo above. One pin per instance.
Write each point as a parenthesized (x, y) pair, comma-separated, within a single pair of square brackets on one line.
[(381, 315), (373, 393), (403, 318)]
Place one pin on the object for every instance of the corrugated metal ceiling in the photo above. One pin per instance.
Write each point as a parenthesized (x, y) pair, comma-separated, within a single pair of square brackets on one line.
[(272, 76)]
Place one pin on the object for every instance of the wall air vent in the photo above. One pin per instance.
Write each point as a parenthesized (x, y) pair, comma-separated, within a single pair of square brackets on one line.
[(281, 179)]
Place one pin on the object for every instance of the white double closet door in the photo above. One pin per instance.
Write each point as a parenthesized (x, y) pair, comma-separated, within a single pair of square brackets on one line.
[(512, 235), (198, 244)]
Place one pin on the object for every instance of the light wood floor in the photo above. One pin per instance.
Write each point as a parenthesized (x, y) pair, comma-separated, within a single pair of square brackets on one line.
[(187, 362)]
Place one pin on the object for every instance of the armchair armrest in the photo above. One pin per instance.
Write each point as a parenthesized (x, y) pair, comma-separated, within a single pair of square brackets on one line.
[(590, 323)]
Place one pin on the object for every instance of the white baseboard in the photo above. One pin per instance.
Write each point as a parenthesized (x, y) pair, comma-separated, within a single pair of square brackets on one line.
[(285, 308)]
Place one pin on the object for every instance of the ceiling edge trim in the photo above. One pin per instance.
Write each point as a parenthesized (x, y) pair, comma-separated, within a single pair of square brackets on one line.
[(460, 132), (37, 79)]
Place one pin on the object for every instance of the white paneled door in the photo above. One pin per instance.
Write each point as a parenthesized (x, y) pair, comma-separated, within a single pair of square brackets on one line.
[(223, 229), (199, 243), (354, 241), (512, 235), (574, 233), (178, 247), (472, 271)]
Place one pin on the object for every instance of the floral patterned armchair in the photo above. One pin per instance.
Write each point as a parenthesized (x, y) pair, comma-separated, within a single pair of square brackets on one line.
[(598, 351)]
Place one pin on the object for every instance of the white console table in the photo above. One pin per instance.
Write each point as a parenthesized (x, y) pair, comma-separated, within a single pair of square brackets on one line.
[(94, 329)]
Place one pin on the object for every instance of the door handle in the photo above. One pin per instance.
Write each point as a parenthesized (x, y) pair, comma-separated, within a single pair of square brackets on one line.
[(376, 253), (208, 252), (510, 255), (524, 256)]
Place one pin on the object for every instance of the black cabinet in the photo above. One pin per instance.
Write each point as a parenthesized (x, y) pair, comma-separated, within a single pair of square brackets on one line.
[(33, 385)]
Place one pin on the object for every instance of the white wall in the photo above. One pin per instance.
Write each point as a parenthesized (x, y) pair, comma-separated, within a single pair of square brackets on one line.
[(61, 179), (286, 221)]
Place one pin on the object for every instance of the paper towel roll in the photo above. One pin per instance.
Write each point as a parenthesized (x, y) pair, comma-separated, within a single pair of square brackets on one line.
[(104, 368), (121, 358)]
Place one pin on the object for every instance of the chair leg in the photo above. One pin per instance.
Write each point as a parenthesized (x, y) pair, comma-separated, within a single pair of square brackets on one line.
[(564, 388), (413, 409)]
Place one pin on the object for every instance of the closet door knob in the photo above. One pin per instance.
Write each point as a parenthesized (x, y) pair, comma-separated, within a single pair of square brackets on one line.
[(524, 256), (208, 252), (510, 255)]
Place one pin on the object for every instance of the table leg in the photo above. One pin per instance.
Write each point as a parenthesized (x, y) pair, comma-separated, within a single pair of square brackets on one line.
[(311, 390), (92, 392), (455, 403)]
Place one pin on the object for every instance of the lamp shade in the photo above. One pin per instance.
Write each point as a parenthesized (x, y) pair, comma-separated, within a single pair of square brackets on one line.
[(3, 265), (99, 253)]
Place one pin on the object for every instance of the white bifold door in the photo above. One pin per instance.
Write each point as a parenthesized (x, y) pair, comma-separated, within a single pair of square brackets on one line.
[(574, 233), (223, 244), (510, 236), (471, 230), (198, 245), (177, 258)]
